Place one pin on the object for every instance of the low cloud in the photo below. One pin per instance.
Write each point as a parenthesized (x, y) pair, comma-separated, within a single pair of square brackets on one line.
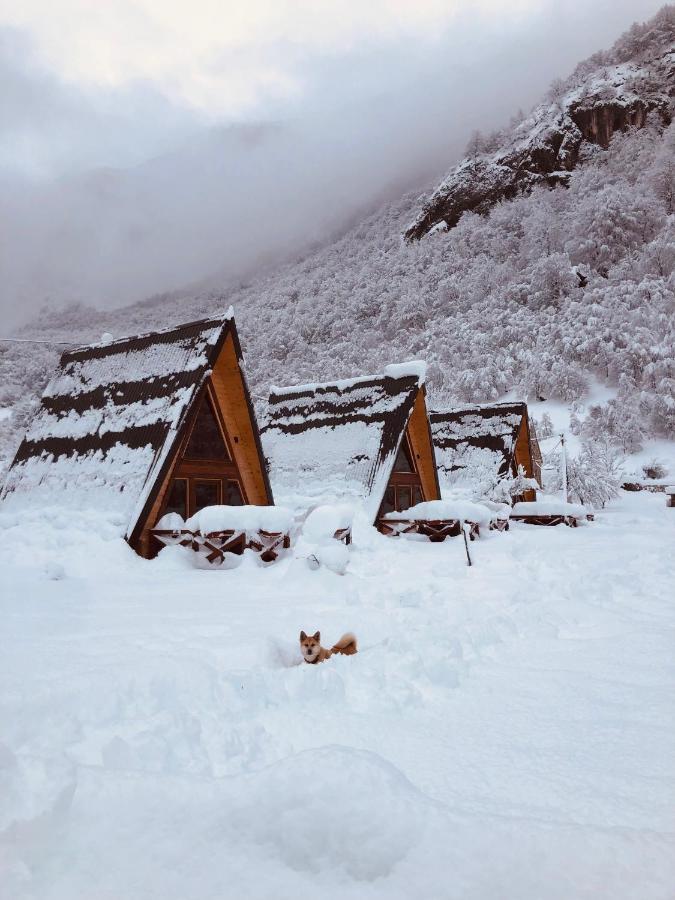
[(109, 196)]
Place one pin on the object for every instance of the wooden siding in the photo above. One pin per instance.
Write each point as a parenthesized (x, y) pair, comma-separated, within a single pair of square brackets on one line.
[(234, 408), (523, 457), (419, 435)]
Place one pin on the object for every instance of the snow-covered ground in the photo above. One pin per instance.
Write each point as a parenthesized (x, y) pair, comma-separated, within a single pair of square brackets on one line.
[(506, 730)]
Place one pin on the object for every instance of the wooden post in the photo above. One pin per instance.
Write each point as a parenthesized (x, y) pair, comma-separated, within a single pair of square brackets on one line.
[(563, 467)]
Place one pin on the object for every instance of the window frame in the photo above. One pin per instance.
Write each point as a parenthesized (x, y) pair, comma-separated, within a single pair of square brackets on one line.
[(193, 482)]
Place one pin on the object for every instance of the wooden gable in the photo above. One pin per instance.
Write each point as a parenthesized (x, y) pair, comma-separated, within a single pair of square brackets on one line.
[(413, 478), (216, 458), (526, 453)]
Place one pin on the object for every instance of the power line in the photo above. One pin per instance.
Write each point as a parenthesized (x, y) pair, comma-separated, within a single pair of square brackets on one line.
[(32, 341)]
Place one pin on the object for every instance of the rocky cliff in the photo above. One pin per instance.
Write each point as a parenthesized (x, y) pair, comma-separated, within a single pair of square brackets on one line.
[(597, 101)]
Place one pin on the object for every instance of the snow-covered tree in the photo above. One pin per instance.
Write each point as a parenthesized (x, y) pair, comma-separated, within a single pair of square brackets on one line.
[(544, 427), (593, 477)]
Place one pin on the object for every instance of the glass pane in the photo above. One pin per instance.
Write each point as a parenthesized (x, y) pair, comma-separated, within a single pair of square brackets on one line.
[(177, 498), (206, 440), (418, 495), (389, 502), (207, 493), (403, 497), (233, 495), (403, 462)]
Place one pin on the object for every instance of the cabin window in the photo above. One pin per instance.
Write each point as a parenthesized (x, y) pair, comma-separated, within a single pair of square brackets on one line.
[(418, 495), (232, 494), (403, 497), (177, 498), (207, 493), (403, 461), (206, 440), (389, 502)]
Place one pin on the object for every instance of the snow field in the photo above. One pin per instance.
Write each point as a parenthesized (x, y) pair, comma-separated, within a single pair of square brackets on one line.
[(505, 730)]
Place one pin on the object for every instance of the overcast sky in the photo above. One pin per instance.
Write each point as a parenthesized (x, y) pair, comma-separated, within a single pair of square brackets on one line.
[(145, 144)]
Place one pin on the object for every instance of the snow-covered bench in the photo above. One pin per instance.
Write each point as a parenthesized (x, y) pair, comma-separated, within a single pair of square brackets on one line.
[(670, 495), (550, 512), (217, 530), (438, 519)]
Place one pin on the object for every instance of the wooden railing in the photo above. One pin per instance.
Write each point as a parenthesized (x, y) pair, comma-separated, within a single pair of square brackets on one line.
[(214, 545), (436, 530)]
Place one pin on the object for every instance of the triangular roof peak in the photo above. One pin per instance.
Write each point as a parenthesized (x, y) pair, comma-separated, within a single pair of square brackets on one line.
[(477, 437), (110, 417), (338, 439)]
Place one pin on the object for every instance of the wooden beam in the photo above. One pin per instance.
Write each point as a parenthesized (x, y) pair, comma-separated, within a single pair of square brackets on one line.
[(228, 388), (419, 435)]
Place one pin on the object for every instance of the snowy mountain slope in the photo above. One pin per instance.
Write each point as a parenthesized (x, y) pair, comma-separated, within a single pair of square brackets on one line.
[(550, 293), (548, 144), (509, 724)]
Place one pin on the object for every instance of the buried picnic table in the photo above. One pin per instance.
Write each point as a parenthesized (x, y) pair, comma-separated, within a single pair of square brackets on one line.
[(439, 519), (551, 511)]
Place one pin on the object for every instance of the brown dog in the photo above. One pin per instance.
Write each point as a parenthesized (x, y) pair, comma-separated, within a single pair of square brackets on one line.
[(313, 652)]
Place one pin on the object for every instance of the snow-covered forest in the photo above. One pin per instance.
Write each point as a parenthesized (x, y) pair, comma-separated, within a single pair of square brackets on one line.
[(545, 292)]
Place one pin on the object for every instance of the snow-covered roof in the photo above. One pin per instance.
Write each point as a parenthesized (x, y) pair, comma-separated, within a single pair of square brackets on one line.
[(339, 439), (479, 436), (109, 417)]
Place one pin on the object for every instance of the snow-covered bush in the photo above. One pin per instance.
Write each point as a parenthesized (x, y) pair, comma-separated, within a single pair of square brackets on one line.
[(593, 477), (654, 469)]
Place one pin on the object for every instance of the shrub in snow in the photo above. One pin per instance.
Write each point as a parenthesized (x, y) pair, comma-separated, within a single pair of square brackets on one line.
[(516, 485), (594, 477), (654, 469)]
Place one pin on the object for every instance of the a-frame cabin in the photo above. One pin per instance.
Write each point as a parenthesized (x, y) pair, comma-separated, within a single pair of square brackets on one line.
[(495, 438), (366, 439), (156, 423)]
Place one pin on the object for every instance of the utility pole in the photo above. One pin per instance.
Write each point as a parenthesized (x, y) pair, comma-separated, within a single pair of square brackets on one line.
[(563, 467)]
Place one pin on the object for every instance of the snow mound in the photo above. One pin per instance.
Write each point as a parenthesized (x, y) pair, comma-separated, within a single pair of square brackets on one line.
[(322, 523), (364, 818), (548, 507), (172, 521), (334, 556), (416, 367)]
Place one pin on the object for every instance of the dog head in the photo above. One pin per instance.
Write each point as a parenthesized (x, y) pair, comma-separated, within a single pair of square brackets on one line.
[(310, 646)]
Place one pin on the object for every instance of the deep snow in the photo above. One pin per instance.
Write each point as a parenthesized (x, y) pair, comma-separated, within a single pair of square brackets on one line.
[(505, 731)]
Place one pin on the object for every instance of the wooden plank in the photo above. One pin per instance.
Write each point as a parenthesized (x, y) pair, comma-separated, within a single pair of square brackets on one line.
[(231, 400), (419, 435), (523, 457), (572, 521)]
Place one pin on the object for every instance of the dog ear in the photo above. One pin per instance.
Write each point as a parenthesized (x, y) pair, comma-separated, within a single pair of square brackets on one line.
[(303, 636), (317, 636)]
